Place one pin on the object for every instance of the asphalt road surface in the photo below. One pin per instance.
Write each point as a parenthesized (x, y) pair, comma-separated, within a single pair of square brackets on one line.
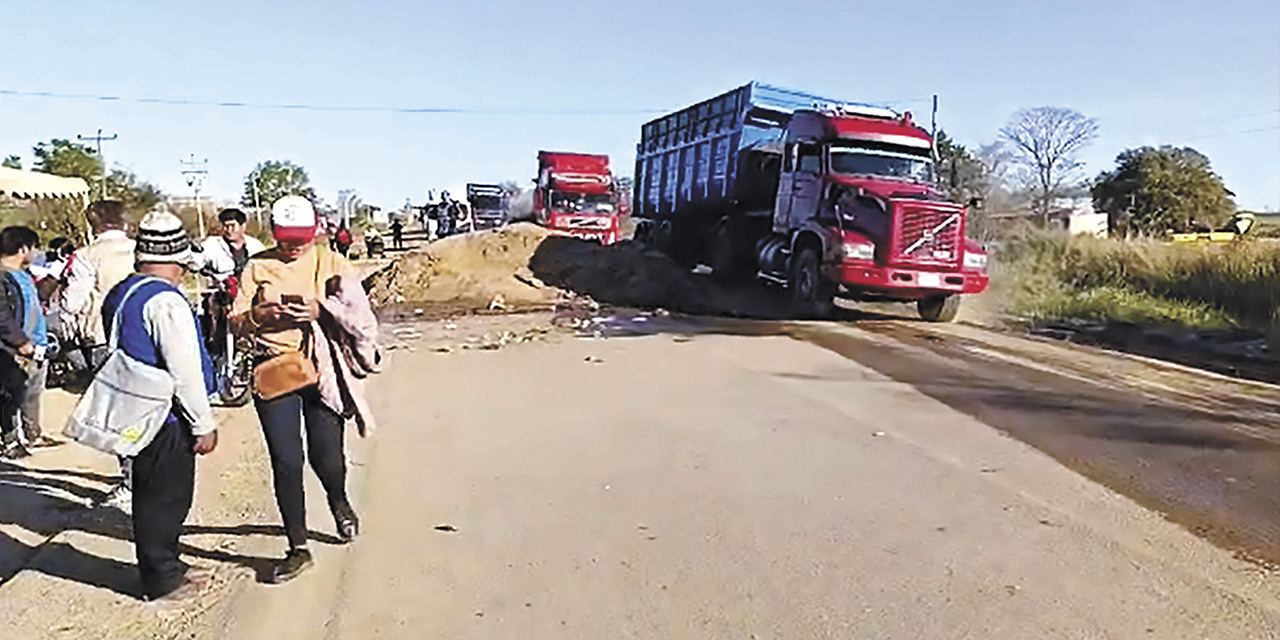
[(820, 480), (680, 478)]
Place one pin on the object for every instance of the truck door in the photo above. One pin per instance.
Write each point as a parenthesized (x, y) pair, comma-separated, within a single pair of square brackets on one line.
[(806, 184), (782, 202)]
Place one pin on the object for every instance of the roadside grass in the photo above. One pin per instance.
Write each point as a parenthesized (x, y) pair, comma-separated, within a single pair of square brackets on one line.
[(1047, 276)]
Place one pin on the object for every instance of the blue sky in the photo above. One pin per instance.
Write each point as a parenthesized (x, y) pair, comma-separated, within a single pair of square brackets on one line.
[(1153, 72)]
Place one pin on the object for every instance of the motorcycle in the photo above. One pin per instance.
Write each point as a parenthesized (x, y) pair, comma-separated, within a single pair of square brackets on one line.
[(232, 355)]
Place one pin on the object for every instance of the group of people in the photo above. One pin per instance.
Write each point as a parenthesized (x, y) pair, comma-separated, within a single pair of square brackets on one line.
[(305, 310)]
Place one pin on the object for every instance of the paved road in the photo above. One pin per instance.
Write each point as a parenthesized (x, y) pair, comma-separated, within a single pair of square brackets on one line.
[(837, 481)]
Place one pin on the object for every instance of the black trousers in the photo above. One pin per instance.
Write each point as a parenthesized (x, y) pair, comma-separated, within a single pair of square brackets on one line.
[(163, 483), (13, 391), (282, 420)]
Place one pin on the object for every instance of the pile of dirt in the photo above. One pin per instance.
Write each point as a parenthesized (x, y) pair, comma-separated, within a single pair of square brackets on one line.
[(523, 266), (623, 274), (482, 270)]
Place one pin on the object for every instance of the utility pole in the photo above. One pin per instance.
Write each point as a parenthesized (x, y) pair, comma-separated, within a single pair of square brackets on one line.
[(102, 171), (257, 206), (933, 127), (194, 172)]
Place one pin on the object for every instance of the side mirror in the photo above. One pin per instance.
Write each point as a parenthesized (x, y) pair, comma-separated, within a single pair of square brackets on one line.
[(975, 202)]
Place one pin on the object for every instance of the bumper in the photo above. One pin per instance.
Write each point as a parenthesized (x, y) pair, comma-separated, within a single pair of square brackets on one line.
[(906, 284), (603, 236)]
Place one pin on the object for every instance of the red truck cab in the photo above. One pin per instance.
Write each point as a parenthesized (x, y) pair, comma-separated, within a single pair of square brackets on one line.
[(856, 185), (576, 194)]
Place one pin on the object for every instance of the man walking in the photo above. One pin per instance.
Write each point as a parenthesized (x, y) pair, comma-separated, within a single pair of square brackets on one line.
[(158, 328), (16, 247), (397, 233), (94, 269)]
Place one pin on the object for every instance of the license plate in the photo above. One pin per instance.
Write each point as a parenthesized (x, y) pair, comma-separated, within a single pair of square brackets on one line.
[(932, 280)]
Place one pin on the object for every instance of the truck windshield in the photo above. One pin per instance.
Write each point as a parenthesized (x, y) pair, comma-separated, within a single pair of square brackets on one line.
[(486, 203), (854, 159), (582, 202)]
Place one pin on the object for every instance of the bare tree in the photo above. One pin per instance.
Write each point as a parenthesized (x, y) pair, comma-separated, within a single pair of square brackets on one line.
[(1045, 141)]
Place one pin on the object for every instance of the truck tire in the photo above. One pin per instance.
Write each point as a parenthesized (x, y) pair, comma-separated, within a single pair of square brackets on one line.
[(939, 308), (812, 294)]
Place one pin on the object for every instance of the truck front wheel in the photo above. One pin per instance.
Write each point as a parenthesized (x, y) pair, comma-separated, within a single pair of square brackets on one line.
[(939, 308), (812, 295)]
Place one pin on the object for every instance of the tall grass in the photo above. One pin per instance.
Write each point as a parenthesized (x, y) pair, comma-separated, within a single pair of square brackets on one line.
[(1052, 275)]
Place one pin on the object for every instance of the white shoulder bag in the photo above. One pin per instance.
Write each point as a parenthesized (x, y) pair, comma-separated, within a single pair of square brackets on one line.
[(127, 402)]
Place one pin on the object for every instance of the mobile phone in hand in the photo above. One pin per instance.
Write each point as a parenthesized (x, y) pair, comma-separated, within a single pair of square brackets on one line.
[(289, 298)]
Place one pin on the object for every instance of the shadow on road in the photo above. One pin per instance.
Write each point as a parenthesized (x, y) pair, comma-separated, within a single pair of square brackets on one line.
[(45, 506)]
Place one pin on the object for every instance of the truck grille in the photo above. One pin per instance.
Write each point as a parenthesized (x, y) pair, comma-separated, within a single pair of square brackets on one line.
[(928, 236)]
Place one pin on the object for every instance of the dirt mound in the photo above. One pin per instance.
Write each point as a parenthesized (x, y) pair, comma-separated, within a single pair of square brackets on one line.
[(472, 271), (623, 274), (523, 266)]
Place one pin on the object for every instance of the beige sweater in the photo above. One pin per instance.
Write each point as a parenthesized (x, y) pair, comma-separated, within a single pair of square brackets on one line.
[(95, 269)]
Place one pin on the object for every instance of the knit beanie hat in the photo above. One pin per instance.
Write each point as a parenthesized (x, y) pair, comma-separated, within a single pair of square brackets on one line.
[(161, 238), (293, 218)]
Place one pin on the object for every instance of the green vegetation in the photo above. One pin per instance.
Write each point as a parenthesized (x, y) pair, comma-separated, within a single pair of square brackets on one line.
[(271, 180), (1154, 190), (1055, 276)]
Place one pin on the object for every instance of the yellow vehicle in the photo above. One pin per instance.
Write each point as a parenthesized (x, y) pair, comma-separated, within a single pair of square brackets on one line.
[(1240, 225)]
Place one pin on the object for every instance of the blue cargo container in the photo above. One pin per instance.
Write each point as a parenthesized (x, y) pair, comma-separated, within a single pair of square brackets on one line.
[(692, 161)]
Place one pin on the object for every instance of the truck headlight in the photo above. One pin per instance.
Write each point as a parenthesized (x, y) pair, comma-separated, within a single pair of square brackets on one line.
[(859, 251), (975, 261)]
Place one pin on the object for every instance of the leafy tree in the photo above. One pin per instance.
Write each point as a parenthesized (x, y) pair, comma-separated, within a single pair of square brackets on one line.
[(961, 175), (363, 217), (66, 158), (1046, 141), (12, 162), (1154, 190), (275, 179), (137, 195)]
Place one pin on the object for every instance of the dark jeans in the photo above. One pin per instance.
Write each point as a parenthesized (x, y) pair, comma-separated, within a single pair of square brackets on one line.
[(282, 423), (163, 483)]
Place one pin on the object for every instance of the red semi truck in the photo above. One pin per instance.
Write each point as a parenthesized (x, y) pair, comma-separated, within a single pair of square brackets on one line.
[(576, 193), (824, 198)]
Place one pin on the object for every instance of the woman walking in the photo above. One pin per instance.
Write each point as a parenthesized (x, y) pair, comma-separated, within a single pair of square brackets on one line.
[(280, 298)]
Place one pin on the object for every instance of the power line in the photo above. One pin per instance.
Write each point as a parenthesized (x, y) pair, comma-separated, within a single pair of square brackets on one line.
[(1231, 118), (316, 107), (358, 109), (1234, 133)]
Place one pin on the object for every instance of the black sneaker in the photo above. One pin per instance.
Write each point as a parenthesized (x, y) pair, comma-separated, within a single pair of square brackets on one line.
[(348, 524), (294, 563)]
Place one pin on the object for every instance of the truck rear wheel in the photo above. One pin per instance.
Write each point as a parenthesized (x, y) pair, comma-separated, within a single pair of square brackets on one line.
[(939, 308), (812, 294)]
